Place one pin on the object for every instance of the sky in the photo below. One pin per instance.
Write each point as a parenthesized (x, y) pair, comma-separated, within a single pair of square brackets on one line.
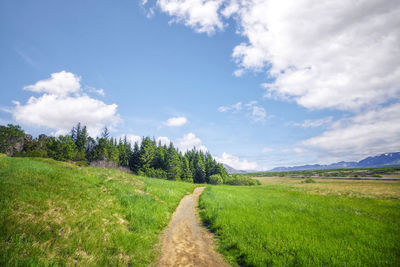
[(257, 83)]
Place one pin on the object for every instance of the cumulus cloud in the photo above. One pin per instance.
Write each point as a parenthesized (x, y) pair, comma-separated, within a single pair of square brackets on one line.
[(374, 132), (345, 55), (176, 121), (60, 84), (236, 162), (201, 15), (190, 141), (63, 105), (321, 54)]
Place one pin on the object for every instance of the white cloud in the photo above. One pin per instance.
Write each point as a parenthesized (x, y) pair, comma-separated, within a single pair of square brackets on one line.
[(96, 91), (63, 105), (313, 123), (236, 163), (374, 132), (164, 140), (234, 107), (322, 54), (176, 121), (256, 113), (344, 55), (238, 73), (201, 15), (190, 141), (60, 84)]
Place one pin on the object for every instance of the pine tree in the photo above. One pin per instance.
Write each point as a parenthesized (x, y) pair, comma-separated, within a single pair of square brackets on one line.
[(199, 168), (134, 161), (186, 172), (173, 164), (147, 153)]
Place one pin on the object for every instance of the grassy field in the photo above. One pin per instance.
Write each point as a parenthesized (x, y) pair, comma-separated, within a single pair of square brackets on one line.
[(55, 213), (287, 222)]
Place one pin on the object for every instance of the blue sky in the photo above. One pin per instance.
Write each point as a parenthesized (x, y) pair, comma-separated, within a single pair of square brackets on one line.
[(247, 83)]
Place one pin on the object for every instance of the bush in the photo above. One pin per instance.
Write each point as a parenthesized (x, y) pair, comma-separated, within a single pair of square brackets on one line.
[(241, 180), (215, 179), (308, 181)]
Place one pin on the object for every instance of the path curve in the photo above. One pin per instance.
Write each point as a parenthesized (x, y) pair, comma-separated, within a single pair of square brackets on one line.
[(186, 242)]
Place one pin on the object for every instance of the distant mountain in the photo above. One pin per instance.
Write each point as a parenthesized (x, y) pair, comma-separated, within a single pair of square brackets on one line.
[(383, 160), (388, 159), (230, 170)]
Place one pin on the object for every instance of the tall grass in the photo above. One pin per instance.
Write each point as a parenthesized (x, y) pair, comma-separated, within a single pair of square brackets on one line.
[(275, 225), (55, 213)]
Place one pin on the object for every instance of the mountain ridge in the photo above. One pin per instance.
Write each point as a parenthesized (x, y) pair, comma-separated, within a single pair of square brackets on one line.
[(382, 160)]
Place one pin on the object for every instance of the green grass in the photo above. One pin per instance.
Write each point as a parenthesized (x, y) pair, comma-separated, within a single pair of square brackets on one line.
[(55, 213), (277, 225)]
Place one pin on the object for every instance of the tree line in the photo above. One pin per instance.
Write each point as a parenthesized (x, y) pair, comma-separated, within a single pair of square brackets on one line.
[(148, 158)]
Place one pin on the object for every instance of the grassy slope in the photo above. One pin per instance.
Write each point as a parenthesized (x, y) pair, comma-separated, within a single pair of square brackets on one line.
[(283, 226), (56, 213)]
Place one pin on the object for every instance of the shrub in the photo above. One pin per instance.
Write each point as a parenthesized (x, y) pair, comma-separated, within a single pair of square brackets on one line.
[(241, 180), (308, 181), (215, 179)]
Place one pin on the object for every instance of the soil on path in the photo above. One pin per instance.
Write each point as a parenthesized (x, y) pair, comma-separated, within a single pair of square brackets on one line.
[(186, 242)]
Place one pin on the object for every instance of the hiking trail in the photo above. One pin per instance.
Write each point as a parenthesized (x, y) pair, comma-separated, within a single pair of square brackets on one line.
[(186, 242)]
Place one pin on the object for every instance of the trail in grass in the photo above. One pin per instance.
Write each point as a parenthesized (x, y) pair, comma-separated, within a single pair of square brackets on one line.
[(186, 242)]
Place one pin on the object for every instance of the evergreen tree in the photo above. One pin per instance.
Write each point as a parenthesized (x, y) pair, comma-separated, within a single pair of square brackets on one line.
[(147, 153), (199, 169), (186, 172), (134, 161), (106, 133), (173, 164)]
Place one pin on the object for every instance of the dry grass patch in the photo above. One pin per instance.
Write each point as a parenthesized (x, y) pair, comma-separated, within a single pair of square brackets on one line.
[(369, 189), (278, 180), (355, 188)]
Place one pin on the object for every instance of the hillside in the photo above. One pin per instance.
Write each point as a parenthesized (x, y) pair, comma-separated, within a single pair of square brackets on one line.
[(232, 170), (56, 213)]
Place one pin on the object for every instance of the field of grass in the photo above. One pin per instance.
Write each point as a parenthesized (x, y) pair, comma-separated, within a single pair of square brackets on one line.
[(286, 222), (55, 213)]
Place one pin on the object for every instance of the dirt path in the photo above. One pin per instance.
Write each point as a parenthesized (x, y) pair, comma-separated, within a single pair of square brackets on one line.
[(186, 242)]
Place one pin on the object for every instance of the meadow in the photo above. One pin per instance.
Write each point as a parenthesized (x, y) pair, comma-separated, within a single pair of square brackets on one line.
[(288, 222), (56, 213)]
